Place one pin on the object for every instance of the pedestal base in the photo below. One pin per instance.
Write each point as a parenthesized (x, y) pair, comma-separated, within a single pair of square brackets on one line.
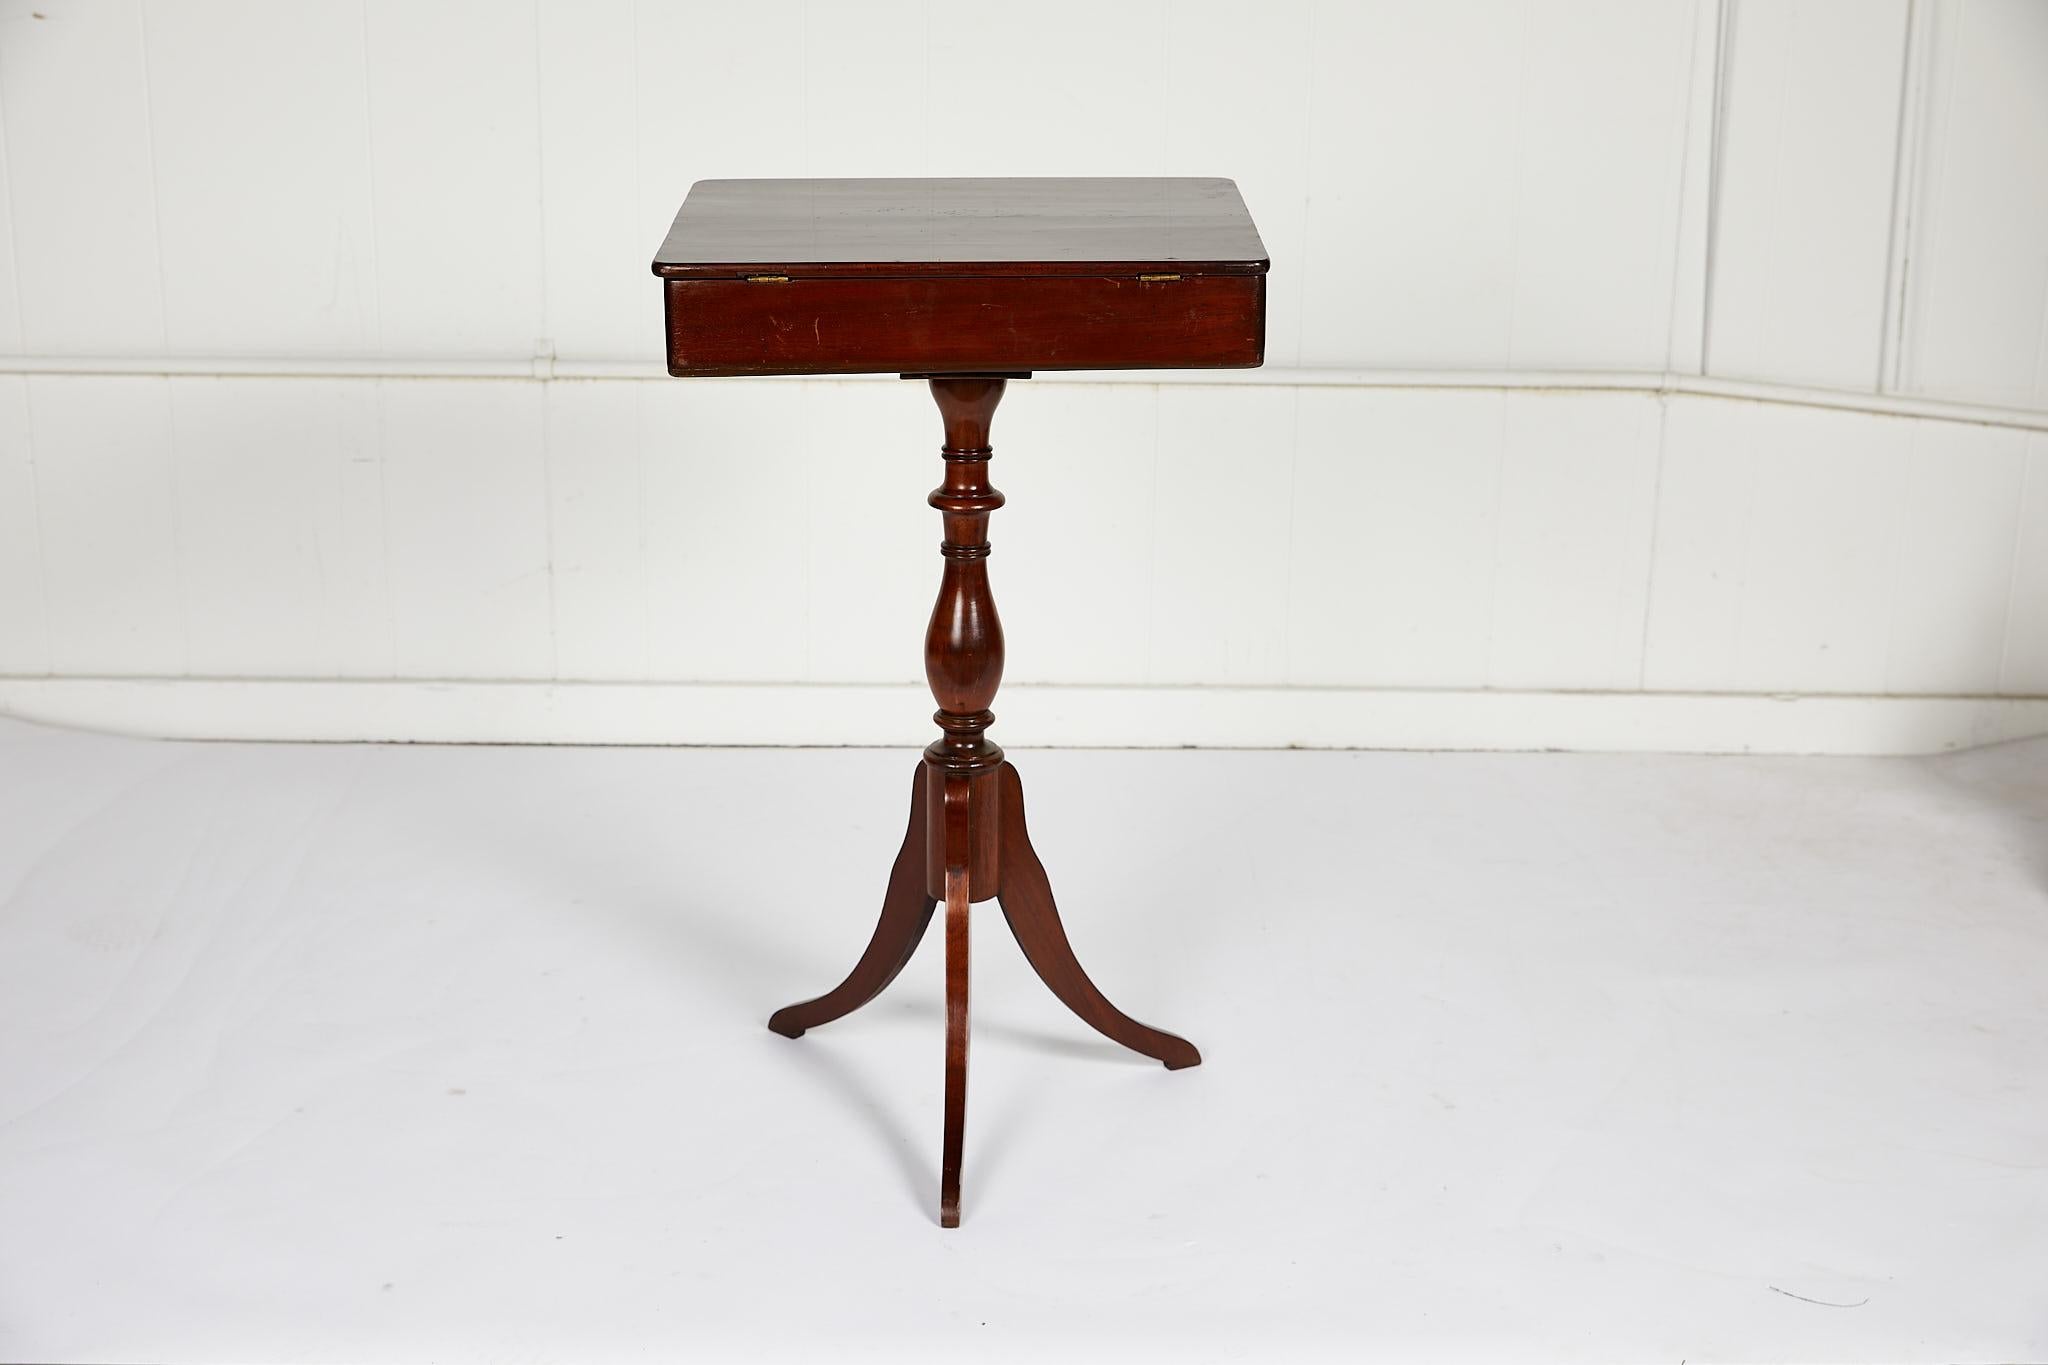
[(968, 829)]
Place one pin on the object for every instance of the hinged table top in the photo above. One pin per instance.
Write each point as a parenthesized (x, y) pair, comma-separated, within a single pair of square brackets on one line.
[(821, 228), (961, 277)]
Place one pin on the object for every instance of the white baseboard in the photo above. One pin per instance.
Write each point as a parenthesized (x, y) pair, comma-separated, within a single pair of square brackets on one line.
[(1030, 716)]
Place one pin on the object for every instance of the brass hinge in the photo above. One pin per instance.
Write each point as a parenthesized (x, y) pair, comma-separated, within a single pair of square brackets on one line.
[(1152, 279), (767, 279)]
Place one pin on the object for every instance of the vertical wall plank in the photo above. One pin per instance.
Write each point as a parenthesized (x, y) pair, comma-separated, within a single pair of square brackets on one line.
[(107, 486), (1823, 529), (1395, 495), (1685, 350), (466, 520), (868, 83), (2024, 670), (753, 67), (272, 564), (1600, 149), (870, 539), (75, 86), (349, 522), (1073, 559), (1801, 241), (1225, 478), (598, 527), (1951, 571), (1774, 522), (1696, 570), (1533, 224), (456, 176), (1436, 286), (1571, 566), (1977, 290), (727, 570), (263, 177), (1107, 117), (24, 633), (601, 301), (11, 337)]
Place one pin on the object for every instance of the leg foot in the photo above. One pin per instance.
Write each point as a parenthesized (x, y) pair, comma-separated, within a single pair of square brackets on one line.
[(906, 910), (1026, 897)]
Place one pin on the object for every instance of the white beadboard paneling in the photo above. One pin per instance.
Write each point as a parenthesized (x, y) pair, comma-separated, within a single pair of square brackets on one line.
[(1775, 524), (870, 539), (1807, 551), (353, 539), (75, 83), (1494, 184), (1395, 497), (2025, 668), (24, 633), (1685, 348), (601, 300), (726, 508), (106, 486), (870, 97), (719, 94), (1224, 480), (1958, 512), (466, 523), (1600, 139), (1706, 467), (1073, 550), (279, 567), (11, 339), (1809, 141), (597, 516), (1077, 90), (455, 156), (1410, 240), (1571, 564), (1977, 289), (724, 531), (263, 176)]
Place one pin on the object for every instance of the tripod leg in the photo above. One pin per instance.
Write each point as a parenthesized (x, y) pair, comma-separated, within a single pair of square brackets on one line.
[(1027, 902), (906, 910), (956, 1047)]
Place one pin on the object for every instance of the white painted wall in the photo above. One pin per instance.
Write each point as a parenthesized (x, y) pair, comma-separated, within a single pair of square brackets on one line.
[(1686, 354)]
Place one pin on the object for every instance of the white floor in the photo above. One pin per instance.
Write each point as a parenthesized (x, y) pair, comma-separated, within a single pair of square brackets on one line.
[(367, 1054)]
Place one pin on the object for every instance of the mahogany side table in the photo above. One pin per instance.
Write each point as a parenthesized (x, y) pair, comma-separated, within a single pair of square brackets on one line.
[(966, 284)]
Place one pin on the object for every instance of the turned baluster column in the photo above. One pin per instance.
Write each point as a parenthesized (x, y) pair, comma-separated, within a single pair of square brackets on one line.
[(963, 646), (963, 661)]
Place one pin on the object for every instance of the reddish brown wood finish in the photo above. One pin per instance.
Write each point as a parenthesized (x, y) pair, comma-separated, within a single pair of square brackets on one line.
[(967, 840), (963, 645), (1012, 226), (962, 276), (957, 902), (964, 324), (965, 283)]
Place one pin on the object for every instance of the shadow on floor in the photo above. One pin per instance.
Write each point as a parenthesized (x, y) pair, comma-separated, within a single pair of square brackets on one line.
[(720, 933)]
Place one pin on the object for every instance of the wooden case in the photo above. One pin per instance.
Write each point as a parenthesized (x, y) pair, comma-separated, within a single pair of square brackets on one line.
[(962, 277)]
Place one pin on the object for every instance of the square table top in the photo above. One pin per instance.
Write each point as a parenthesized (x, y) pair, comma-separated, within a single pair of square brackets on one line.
[(1040, 227)]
